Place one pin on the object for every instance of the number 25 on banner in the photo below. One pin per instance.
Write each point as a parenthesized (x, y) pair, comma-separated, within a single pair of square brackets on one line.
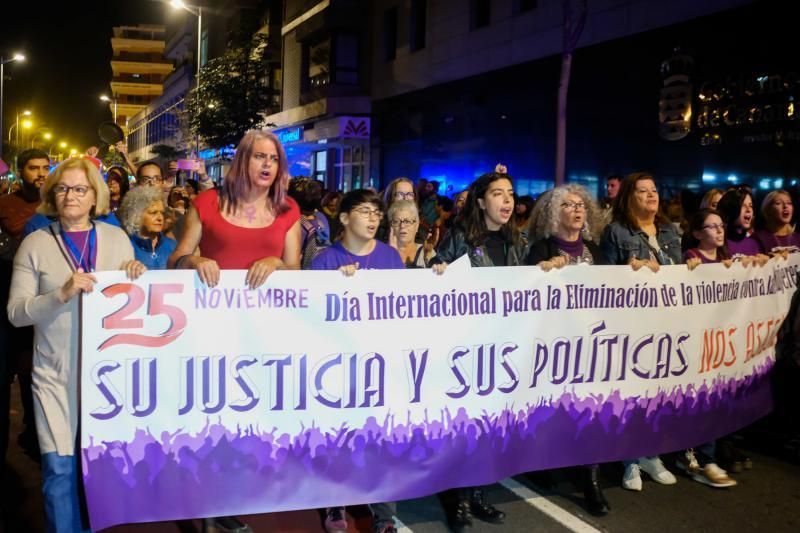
[(155, 307)]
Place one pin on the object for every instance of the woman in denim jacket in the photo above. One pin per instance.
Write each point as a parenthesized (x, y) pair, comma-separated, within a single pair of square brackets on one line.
[(640, 236)]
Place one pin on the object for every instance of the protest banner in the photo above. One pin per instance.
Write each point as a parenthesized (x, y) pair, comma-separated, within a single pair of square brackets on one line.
[(317, 390)]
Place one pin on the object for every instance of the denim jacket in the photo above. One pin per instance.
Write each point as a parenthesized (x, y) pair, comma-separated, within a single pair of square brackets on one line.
[(153, 260), (454, 245), (621, 243)]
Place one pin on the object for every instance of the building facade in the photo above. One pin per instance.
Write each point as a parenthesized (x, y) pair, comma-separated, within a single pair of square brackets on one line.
[(459, 86), (324, 119), (162, 121), (138, 69)]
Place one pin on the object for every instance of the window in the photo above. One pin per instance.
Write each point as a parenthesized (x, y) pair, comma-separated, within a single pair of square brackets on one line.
[(390, 34), (346, 59), (480, 14), (523, 6), (416, 38), (319, 60)]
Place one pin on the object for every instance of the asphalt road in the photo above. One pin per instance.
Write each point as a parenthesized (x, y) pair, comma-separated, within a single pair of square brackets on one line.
[(767, 498)]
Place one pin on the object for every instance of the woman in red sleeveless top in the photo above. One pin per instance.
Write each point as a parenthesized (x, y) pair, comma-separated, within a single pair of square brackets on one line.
[(249, 223)]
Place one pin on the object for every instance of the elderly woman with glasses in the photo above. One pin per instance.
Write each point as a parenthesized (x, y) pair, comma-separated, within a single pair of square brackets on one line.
[(404, 225), (565, 222), (564, 226), (53, 267)]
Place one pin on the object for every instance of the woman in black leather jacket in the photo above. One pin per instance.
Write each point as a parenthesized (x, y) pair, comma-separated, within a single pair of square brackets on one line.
[(486, 232)]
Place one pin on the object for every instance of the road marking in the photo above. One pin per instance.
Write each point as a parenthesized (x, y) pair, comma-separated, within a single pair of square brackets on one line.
[(560, 515)]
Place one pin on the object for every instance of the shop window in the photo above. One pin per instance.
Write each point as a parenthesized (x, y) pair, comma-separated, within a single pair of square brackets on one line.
[(390, 33), (417, 24), (320, 165), (480, 14)]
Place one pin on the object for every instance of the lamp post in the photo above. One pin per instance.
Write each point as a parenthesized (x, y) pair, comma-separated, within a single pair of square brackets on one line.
[(105, 98), (3, 61), (45, 135), (198, 12), (25, 113)]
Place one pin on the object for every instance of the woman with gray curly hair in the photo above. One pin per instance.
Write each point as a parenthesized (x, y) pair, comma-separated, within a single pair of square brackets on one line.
[(564, 225), (142, 218)]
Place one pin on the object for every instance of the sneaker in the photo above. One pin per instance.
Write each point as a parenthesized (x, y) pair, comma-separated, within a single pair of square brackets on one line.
[(225, 524), (335, 520), (632, 479), (711, 474), (656, 470)]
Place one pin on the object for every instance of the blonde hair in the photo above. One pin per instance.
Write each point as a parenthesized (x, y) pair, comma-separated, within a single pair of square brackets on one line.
[(93, 176)]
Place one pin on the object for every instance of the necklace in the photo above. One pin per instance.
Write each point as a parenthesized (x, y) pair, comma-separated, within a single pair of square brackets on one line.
[(78, 259)]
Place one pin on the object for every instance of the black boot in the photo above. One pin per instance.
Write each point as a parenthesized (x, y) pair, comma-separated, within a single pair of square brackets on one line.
[(483, 510), (595, 501), (460, 518)]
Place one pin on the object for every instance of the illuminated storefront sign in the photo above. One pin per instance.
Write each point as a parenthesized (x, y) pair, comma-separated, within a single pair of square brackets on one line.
[(290, 135)]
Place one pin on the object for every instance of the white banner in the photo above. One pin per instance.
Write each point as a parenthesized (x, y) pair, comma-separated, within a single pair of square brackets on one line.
[(312, 389)]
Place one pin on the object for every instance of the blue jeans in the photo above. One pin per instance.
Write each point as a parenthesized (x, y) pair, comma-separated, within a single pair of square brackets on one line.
[(60, 488)]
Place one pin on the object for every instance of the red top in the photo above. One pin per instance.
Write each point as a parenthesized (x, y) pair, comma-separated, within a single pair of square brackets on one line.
[(15, 212), (235, 247)]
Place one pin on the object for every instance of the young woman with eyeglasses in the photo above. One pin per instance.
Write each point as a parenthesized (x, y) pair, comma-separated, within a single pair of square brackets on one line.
[(706, 239), (360, 213)]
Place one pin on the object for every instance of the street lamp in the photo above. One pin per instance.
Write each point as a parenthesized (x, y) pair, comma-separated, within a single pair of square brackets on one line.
[(3, 61), (25, 113), (105, 98), (198, 12), (44, 135)]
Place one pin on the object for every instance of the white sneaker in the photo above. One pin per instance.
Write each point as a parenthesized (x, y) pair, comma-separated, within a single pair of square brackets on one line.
[(656, 470), (632, 479)]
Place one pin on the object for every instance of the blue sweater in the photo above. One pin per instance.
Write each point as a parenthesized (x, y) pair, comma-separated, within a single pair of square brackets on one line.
[(153, 259)]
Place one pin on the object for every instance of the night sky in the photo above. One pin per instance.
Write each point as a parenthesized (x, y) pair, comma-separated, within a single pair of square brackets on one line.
[(68, 49)]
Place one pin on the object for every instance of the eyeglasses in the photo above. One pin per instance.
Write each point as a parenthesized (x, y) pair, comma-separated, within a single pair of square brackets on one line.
[(366, 212), (152, 180), (405, 195), (403, 222), (573, 206), (78, 190), (715, 227)]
